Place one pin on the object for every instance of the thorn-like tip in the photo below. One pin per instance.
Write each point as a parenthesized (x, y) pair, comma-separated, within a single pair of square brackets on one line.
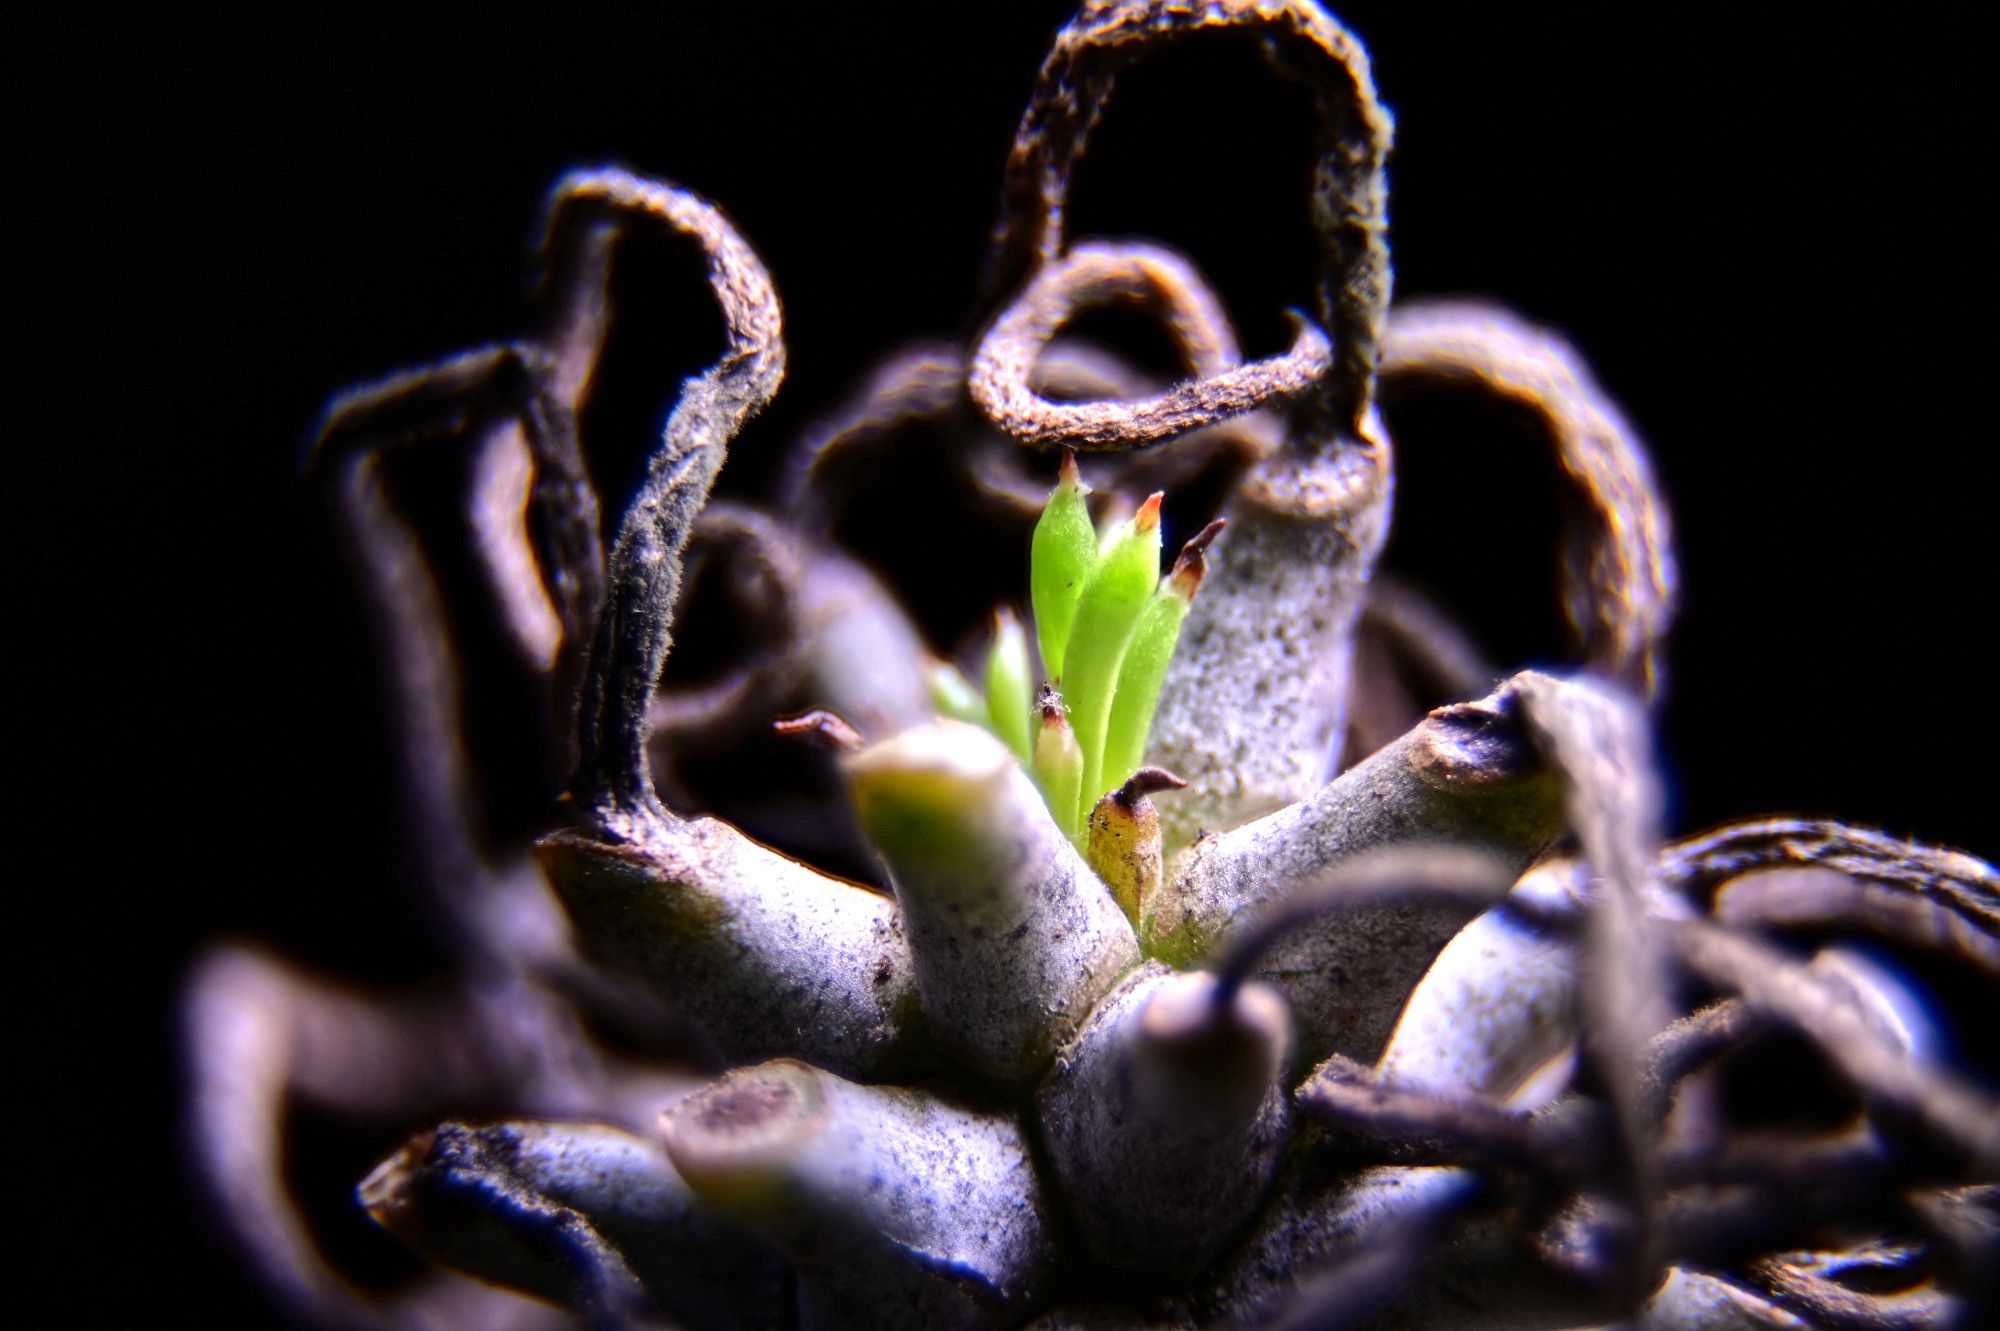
[(1146, 781), (1201, 540), (1050, 703), (1185, 578), (1148, 516), (1069, 473), (821, 729), (1191, 565)]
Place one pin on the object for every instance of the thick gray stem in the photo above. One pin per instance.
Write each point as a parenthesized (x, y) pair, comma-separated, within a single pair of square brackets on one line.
[(1320, 1218), (1255, 700), (901, 1210), (589, 1216), (1500, 1000), (1465, 776), (1163, 1120), (764, 956), (1014, 937)]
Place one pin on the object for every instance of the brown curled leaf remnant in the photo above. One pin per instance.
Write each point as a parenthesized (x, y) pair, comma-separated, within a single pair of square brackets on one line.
[(1101, 273), (1619, 579)]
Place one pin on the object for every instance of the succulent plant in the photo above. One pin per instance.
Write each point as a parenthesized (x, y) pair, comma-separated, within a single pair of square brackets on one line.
[(1319, 1007)]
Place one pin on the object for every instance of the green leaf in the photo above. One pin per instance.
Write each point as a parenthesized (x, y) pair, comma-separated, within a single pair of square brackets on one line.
[(952, 694), (1147, 655), (1118, 590), (1140, 677), (1058, 764), (1007, 684), (1062, 557)]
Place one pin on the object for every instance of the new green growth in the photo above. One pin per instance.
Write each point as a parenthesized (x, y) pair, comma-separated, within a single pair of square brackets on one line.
[(1106, 624)]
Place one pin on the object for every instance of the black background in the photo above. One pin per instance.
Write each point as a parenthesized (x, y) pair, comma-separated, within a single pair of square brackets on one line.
[(1759, 226)]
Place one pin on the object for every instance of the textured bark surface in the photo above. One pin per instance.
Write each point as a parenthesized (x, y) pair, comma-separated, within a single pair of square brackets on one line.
[(634, 632), (1254, 704), (1164, 1119), (1465, 776), (1620, 583), (1100, 274), (901, 1209), (765, 956)]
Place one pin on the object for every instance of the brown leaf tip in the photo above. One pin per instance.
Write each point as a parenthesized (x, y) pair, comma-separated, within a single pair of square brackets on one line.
[(387, 1193), (1198, 543), (1146, 781), (1049, 702), (1191, 565), (821, 729), (1068, 473)]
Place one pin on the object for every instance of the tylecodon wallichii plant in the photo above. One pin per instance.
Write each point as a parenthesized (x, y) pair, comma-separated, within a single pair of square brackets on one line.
[(1314, 1009)]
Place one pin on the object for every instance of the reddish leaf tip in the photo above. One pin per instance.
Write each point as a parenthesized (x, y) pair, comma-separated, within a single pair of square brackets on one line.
[(1148, 516)]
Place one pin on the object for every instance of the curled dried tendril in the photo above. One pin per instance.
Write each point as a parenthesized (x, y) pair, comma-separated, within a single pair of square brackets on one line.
[(1349, 204), (1102, 273), (630, 647), (1619, 579)]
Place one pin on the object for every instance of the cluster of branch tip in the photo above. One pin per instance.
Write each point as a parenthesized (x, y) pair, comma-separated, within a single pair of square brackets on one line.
[(1432, 1033)]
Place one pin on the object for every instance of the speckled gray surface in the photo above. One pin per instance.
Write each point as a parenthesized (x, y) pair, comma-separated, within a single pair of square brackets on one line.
[(765, 956), (1014, 937), (901, 1209), (1164, 1147)]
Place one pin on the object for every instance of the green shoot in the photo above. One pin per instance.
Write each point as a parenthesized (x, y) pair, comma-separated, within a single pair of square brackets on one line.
[(1117, 591), (1144, 670), (1058, 766), (1107, 626), (953, 695), (1007, 684), (1063, 553)]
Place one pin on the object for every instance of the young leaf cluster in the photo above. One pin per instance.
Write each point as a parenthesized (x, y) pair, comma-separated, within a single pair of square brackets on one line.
[(1105, 625)]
